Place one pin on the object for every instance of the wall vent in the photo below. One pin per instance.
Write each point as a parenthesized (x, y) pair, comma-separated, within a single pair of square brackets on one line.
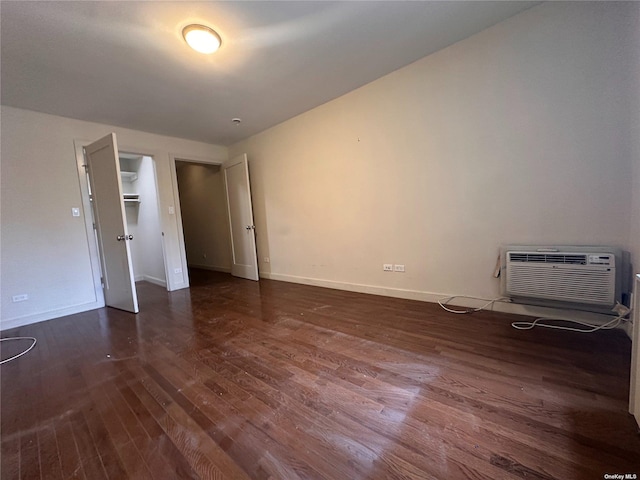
[(588, 278)]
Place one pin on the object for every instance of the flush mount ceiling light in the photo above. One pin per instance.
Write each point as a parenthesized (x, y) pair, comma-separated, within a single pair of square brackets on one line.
[(201, 38)]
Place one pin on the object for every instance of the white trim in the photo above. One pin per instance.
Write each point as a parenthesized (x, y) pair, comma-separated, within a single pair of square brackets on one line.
[(213, 268), (499, 306), (175, 193), (48, 315), (355, 287), (87, 215), (155, 280), (148, 278), (164, 225), (194, 159)]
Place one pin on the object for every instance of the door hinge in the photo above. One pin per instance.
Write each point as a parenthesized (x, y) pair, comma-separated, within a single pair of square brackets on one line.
[(94, 226)]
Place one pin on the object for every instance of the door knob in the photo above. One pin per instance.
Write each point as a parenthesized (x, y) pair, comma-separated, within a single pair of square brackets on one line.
[(120, 238), (129, 237), (250, 227)]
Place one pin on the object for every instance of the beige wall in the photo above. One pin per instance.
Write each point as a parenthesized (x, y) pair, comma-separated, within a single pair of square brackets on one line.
[(205, 219), (518, 134), (634, 239), (634, 131), (44, 250)]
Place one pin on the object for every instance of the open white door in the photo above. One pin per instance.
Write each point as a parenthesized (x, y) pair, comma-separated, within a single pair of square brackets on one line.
[(105, 187), (243, 236)]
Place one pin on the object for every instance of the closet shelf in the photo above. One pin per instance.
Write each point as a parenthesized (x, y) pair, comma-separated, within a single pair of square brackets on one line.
[(128, 198), (128, 176), (131, 198)]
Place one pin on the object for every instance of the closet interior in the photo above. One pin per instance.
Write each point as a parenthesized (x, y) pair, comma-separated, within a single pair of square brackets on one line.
[(142, 211)]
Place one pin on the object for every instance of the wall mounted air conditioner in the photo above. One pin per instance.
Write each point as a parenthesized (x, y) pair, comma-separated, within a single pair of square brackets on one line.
[(584, 278)]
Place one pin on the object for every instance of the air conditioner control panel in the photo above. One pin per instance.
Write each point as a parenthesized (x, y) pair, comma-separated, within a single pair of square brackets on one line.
[(602, 259)]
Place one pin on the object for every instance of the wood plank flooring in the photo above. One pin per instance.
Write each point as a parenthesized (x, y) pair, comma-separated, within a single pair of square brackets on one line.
[(234, 379)]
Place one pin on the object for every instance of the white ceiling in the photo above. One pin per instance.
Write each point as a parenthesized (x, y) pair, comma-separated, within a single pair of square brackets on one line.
[(126, 64)]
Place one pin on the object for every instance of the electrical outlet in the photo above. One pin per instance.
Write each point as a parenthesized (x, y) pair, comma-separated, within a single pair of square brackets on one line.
[(398, 268), (20, 298), (387, 267), (267, 259)]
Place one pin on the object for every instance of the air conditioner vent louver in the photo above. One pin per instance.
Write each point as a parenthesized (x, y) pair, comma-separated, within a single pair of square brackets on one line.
[(542, 281), (572, 259), (555, 275)]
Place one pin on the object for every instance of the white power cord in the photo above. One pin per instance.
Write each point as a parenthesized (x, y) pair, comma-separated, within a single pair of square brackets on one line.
[(21, 353), (443, 302), (538, 322)]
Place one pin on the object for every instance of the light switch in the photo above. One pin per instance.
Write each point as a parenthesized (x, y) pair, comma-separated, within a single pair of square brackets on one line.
[(75, 211)]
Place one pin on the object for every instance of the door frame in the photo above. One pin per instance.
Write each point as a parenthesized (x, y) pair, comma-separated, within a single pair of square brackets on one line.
[(87, 214), (159, 207), (173, 158), (165, 225)]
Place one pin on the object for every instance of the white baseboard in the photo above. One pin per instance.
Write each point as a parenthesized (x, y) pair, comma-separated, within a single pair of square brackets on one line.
[(500, 306), (213, 268), (49, 315), (154, 280), (505, 307)]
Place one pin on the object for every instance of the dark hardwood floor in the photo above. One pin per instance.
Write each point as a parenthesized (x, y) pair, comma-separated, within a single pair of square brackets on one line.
[(238, 379)]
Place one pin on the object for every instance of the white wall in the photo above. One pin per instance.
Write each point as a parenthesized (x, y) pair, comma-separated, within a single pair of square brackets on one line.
[(44, 250), (204, 216), (518, 134)]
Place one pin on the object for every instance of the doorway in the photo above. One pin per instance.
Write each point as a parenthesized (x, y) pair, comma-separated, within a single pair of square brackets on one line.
[(205, 222), (110, 242), (142, 212), (121, 204)]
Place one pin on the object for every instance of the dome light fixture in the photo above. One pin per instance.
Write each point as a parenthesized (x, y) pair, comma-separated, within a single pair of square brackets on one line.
[(201, 38)]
